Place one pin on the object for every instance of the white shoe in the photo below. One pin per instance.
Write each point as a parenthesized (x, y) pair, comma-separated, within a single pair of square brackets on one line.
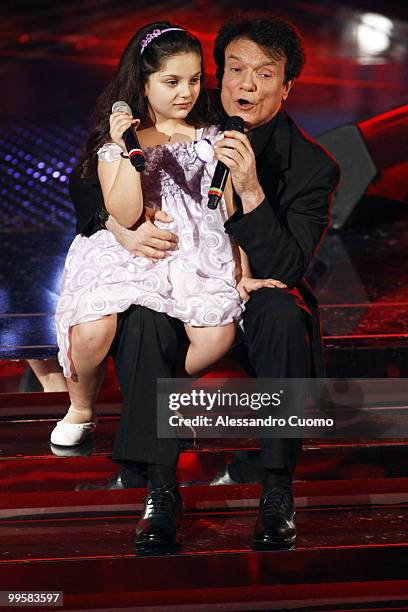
[(71, 434)]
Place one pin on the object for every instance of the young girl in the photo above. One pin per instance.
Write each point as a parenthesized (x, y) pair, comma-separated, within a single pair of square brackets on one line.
[(161, 77)]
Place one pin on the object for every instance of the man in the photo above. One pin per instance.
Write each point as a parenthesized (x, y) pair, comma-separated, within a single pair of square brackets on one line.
[(282, 184)]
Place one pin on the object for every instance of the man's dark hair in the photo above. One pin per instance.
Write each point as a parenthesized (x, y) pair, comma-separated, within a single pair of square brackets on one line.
[(278, 37)]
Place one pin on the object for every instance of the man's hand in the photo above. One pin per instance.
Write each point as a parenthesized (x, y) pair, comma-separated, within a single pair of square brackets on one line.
[(146, 240), (246, 285), (235, 151)]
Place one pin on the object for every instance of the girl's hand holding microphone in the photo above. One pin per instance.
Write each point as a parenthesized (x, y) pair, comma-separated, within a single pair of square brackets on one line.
[(121, 125), (119, 122)]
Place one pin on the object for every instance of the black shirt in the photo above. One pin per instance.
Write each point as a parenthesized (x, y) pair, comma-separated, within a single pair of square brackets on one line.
[(259, 136)]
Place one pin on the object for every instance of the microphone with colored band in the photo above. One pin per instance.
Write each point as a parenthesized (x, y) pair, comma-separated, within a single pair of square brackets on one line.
[(221, 173), (136, 154)]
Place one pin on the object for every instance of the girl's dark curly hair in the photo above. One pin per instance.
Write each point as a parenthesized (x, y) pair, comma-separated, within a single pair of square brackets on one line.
[(129, 81), (278, 37)]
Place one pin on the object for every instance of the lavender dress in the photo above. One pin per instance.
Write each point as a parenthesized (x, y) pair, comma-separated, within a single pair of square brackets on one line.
[(195, 284)]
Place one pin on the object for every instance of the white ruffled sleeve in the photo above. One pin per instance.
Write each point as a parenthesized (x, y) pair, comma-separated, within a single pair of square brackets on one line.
[(109, 152)]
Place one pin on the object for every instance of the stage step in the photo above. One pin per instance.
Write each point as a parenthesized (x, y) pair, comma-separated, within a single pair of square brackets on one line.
[(348, 556), (377, 355), (322, 493), (29, 464), (346, 356)]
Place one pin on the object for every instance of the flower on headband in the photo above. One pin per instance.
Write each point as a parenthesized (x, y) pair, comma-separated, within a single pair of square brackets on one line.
[(148, 39), (152, 35)]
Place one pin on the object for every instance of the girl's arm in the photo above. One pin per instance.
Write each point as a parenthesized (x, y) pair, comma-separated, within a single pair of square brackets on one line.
[(120, 183)]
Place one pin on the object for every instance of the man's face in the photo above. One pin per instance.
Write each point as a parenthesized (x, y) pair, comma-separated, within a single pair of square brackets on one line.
[(253, 86)]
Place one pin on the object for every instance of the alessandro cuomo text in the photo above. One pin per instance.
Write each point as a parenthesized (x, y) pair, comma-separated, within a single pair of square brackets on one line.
[(228, 421)]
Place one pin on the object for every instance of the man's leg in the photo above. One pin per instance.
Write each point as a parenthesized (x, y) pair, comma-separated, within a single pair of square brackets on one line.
[(144, 350), (276, 336), (277, 339), (277, 345)]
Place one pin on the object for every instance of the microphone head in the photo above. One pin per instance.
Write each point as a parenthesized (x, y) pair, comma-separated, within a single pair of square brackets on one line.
[(121, 107), (235, 123)]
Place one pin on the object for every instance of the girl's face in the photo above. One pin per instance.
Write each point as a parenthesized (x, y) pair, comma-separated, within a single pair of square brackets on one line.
[(173, 90)]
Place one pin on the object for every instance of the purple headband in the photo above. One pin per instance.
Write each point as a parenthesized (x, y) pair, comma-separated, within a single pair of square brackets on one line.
[(154, 35)]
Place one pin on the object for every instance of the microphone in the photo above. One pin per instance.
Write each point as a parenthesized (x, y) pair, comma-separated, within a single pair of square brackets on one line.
[(221, 173), (136, 154)]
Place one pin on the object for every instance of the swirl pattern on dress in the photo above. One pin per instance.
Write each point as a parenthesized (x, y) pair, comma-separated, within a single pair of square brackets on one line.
[(195, 284)]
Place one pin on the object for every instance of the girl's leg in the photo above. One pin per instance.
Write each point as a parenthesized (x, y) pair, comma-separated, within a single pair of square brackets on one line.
[(207, 345), (49, 373), (90, 343)]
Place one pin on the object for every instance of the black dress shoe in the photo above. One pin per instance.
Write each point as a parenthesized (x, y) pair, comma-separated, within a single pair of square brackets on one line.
[(159, 527), (223, 478), (275, 528)]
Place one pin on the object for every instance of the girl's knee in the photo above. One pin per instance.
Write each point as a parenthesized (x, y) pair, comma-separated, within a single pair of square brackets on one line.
[(93, 335), (212, 338)]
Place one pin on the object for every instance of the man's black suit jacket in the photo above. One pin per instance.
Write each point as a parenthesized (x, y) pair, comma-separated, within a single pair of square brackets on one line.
[(282, 234)]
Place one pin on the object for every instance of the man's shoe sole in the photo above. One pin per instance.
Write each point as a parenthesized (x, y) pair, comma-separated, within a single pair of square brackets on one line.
[(274, 545)]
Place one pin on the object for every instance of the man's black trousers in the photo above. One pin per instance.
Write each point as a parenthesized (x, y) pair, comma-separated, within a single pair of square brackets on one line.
[(276, 344)]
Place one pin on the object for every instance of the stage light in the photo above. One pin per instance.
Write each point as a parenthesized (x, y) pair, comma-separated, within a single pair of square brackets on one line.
[(373, 33), (54, 156)]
